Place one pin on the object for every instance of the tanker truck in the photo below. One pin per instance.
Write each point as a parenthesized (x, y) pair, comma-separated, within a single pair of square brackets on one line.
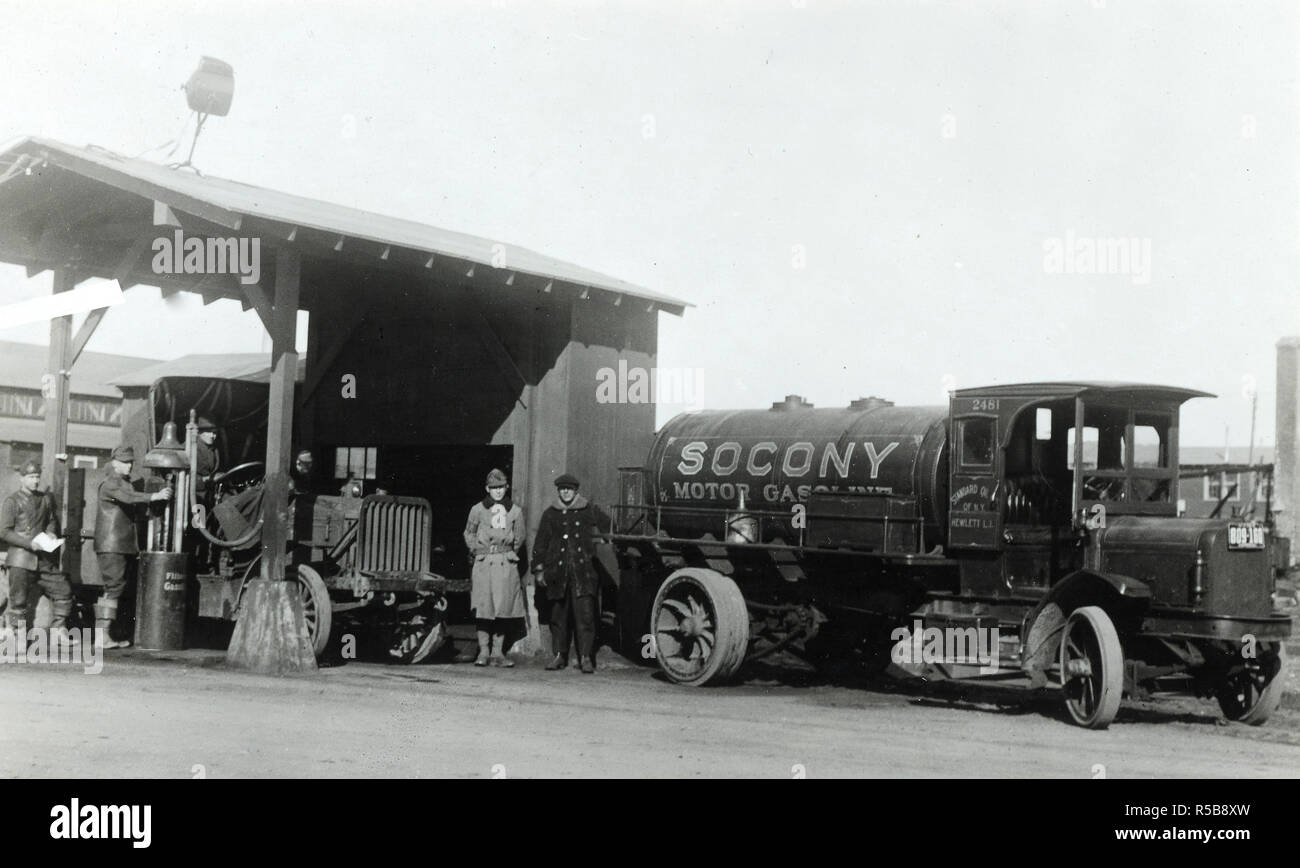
[(1027, 529)]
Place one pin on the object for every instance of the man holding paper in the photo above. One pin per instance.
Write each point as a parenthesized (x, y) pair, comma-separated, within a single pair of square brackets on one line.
[(29, 523)]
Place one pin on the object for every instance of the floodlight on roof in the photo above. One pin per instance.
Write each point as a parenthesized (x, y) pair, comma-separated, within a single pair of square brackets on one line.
[(208, 91), (211, 87)]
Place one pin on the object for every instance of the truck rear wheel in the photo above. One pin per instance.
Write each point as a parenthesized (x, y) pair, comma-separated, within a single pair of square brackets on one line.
[(1092, 667), (701, 627), (1252, 694)]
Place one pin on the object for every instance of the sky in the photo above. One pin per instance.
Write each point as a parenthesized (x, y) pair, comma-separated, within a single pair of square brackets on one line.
[(891, 198)]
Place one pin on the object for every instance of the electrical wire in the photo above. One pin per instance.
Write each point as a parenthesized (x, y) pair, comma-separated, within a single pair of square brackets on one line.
[(174, 141)]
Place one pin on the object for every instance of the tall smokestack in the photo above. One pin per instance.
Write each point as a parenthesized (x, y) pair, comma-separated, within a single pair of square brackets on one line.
[(1286, 461)]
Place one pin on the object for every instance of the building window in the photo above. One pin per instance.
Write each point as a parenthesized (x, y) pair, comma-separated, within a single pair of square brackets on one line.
[(88, 462), (355, 462), (1217, 484), (1265, 490)]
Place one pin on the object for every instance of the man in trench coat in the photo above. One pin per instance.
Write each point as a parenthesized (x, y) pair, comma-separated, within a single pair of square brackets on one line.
[(494, 534)]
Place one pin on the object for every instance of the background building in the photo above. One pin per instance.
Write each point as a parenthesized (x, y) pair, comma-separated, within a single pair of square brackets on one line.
[(1217, 478), (95, 412)]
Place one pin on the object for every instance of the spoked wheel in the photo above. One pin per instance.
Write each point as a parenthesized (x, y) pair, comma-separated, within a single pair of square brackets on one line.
[(701, 627), (1251, 694), (421, 634), (316, 609), (1092, 667)]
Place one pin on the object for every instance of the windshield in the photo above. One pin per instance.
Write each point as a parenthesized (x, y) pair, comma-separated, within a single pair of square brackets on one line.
[(1122, 456)]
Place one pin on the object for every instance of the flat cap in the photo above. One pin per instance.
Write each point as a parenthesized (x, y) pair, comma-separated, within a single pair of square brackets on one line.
[(496, 478), (205, 424), (124, 453), (567, 480), (29, 467)]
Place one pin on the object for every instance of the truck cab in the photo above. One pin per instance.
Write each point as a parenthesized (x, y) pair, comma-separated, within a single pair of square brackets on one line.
[(1035, 467)]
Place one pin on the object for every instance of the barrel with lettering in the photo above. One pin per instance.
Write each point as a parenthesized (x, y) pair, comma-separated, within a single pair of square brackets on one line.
[(793, 454), (160, 601)]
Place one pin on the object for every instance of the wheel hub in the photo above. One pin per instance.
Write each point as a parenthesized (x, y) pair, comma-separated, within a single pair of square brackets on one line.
[(1078, 668)]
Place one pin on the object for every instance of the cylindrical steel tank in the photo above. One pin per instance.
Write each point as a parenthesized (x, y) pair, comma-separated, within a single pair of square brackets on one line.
[(160, 601), (779, 457)]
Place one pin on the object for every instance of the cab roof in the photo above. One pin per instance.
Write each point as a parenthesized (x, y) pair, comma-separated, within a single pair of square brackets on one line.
[(1086, 389)]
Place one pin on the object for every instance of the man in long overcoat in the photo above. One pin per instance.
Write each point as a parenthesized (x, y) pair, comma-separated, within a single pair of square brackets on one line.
[(562, 558)]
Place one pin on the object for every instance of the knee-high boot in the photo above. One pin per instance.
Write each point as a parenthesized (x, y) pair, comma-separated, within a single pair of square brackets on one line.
[(498, 657), (484, 649), (16, 622), (59, 612), (105, 615)]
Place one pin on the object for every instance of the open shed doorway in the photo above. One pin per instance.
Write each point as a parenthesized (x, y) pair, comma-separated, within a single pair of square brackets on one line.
[(451, 478)]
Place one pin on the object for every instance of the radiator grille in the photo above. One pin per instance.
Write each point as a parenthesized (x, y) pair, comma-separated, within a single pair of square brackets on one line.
[(394, 534)]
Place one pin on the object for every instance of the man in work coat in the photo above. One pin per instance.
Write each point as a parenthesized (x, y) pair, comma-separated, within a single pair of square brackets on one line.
[(115, 536), (208, 459), (562, 559), (24, 515)]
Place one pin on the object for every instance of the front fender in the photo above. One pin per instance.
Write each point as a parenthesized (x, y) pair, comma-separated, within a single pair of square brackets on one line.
[(1123, 597)]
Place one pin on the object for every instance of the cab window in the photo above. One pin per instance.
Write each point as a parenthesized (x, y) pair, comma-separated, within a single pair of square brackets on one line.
[(1150, 440), (1103, 439), (976, 442)]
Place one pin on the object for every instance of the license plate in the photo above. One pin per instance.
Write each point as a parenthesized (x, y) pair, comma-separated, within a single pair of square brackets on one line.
[(1245, 537)]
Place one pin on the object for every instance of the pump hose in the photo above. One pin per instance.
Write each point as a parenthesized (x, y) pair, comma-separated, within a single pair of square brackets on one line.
[(190, 496), (234, 543), (246, 538)]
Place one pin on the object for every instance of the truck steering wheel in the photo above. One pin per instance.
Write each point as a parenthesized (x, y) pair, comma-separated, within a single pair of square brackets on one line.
[(237, 478)]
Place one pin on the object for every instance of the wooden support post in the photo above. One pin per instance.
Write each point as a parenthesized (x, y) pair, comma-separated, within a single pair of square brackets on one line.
[(55, 390), (279, 422), (271, 633)]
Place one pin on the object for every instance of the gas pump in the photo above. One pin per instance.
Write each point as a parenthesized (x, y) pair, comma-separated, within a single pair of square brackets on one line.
[(165, 565)]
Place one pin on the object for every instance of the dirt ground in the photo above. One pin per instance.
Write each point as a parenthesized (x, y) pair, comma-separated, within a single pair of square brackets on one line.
[(184, 715)]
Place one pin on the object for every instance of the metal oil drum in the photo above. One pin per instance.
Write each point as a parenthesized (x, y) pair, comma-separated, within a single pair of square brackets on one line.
[(160, 601)]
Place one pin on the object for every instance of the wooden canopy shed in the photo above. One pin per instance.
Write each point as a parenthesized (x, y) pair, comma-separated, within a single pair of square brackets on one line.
[(439, 350)]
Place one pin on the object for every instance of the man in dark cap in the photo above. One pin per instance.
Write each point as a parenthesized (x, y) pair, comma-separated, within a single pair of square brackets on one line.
[(25, 515), (562, 560), (116, 546), (209, 459)]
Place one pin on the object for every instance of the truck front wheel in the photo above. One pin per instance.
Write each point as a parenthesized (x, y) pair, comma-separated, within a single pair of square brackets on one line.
[(1092, 667)]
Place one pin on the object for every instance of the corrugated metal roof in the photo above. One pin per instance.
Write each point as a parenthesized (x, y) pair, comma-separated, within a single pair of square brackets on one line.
[(250, 367), (180, 189), (23, 365)]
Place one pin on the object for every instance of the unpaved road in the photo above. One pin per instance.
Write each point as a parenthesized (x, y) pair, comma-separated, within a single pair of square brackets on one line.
[(185, 715)]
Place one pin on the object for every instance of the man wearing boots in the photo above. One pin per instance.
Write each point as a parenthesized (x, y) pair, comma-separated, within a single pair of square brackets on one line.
[(494, 533), (562, 560), (25, 514), (115, 536)]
